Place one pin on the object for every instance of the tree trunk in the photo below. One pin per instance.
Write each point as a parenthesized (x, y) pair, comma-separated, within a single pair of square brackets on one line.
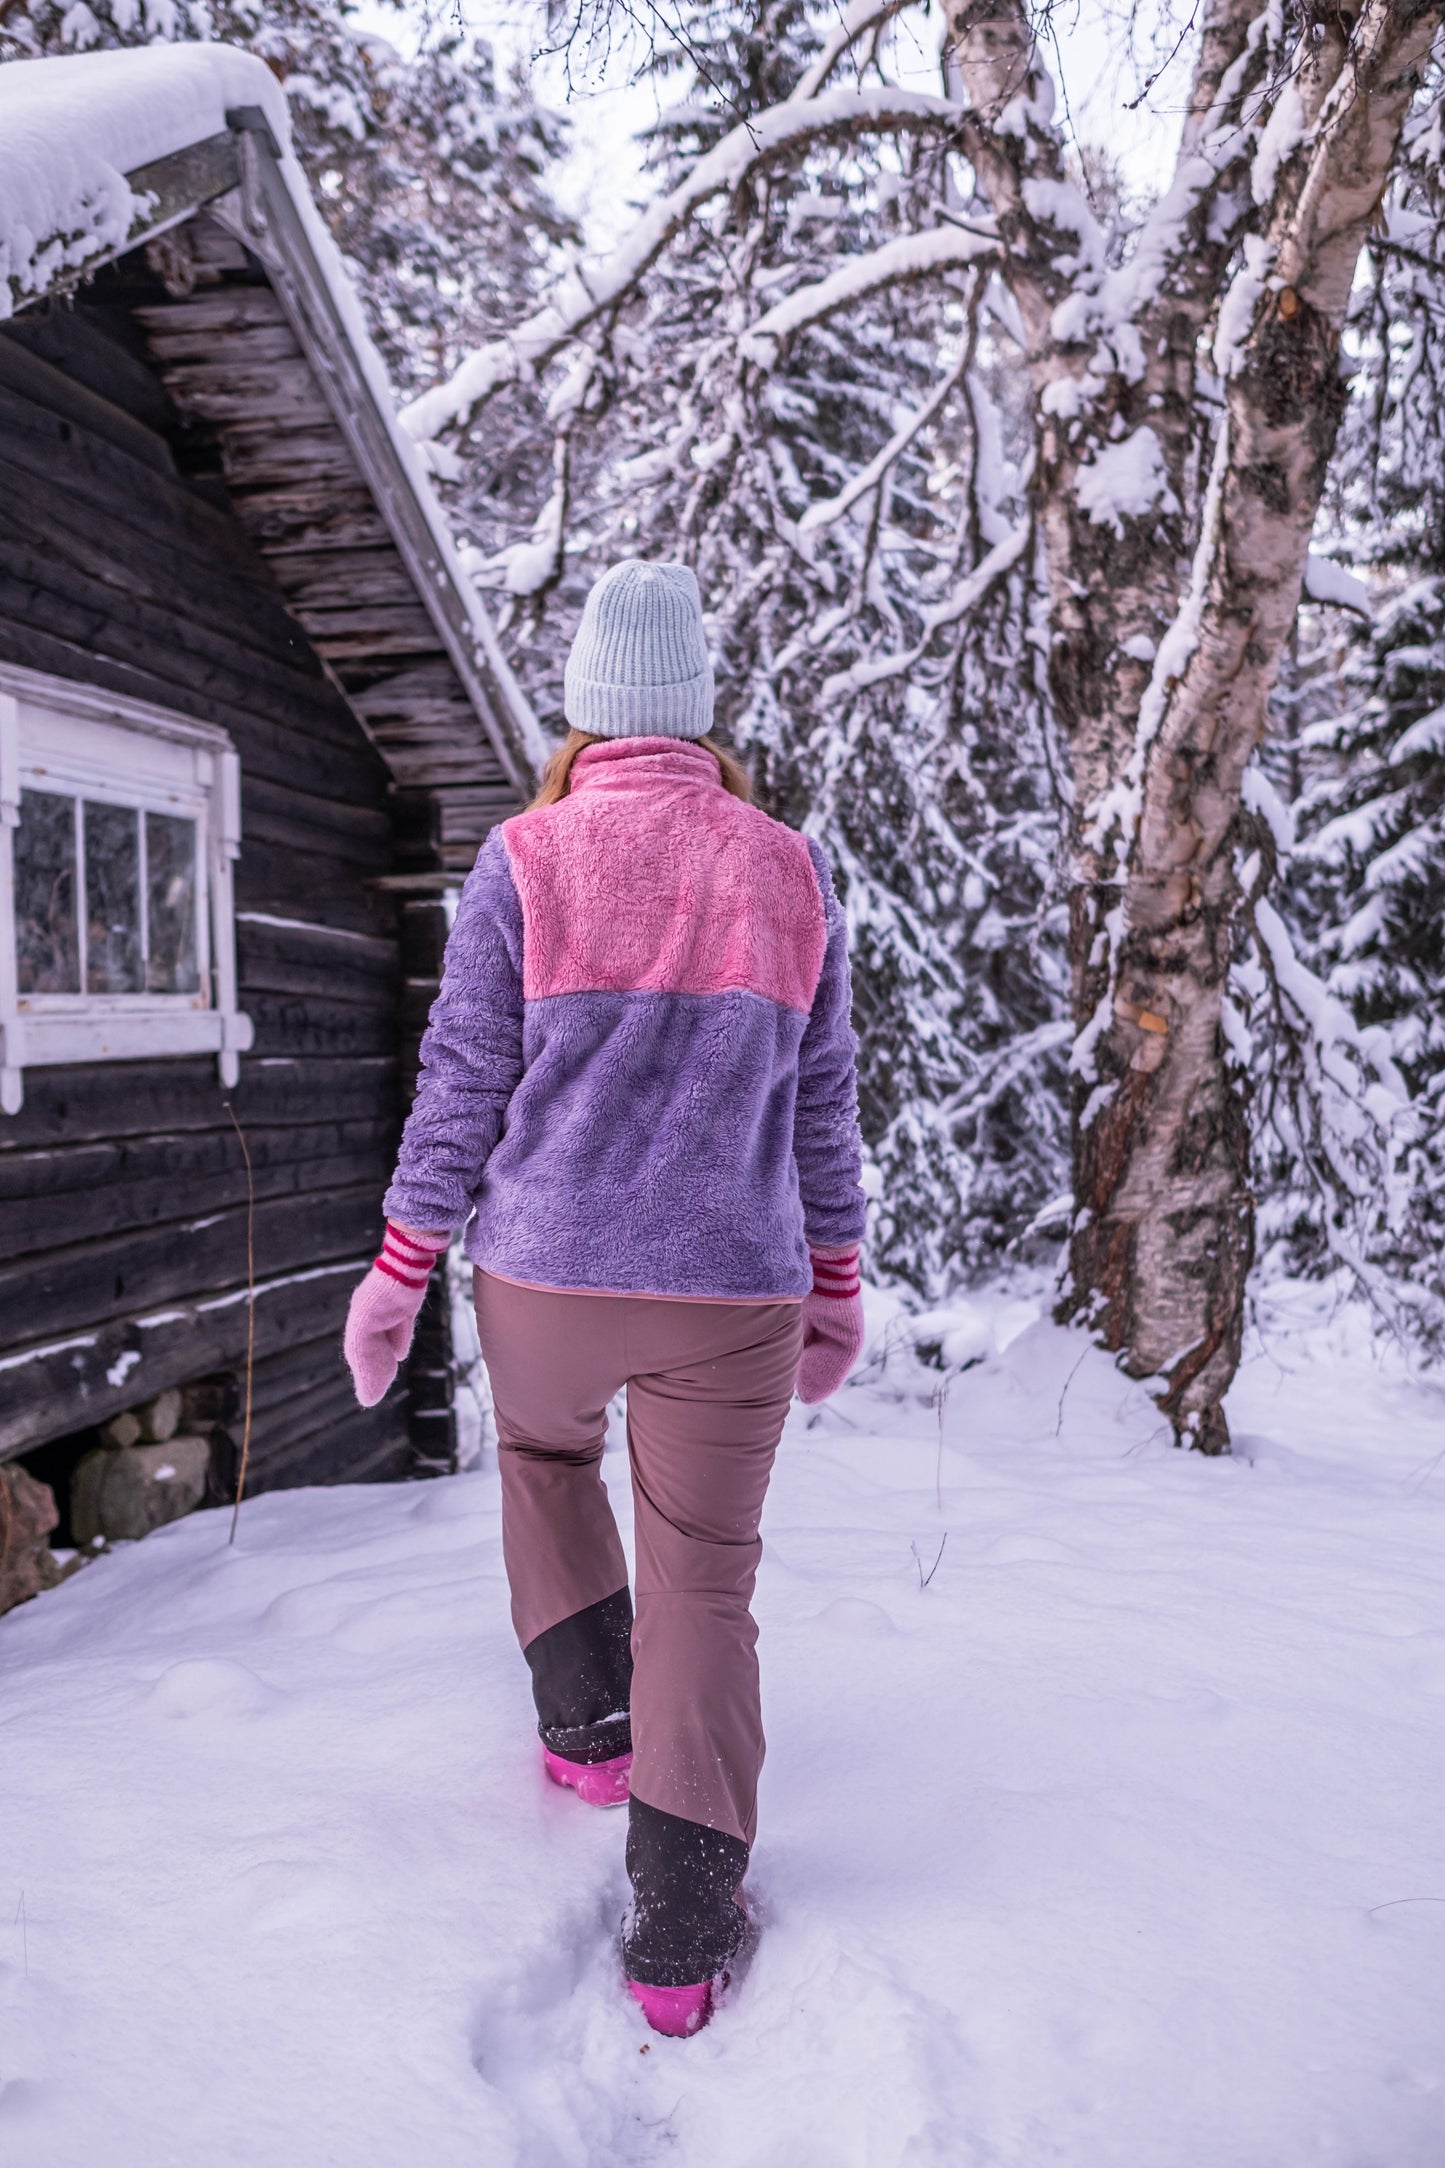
[(1163, 1231)]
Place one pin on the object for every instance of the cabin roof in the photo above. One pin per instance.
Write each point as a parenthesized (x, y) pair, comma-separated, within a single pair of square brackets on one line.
[(183, 152)]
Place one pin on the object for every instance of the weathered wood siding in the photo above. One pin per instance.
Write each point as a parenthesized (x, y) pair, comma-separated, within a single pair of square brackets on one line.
[(235, 369), (122, 1186)]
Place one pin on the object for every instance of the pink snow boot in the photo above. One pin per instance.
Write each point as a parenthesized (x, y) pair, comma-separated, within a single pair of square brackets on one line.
[(677, 2011), (600, 1784)]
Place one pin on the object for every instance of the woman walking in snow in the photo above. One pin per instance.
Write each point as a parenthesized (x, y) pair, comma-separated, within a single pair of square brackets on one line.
[(639, 1075)]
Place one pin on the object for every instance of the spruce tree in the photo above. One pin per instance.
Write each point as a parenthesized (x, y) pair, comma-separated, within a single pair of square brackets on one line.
[(1365, 754), (1376, 844)]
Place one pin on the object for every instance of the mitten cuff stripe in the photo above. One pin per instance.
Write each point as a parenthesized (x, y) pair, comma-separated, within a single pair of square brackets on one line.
[(837, 1278), (409, 1250), (404, 1259)]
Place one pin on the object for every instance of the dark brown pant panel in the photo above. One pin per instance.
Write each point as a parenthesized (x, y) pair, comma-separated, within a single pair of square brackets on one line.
[(708, 1390), (686, 1922), (582, 1681)]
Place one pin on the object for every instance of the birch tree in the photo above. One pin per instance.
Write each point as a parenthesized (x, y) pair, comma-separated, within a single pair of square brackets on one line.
[(1183, 390), (1172, 602)]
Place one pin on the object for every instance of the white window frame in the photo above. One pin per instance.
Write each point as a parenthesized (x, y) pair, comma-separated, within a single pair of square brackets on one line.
[(81, 742)]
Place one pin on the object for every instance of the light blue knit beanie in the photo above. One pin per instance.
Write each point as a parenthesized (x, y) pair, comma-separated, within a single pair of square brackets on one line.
[(639, 666)]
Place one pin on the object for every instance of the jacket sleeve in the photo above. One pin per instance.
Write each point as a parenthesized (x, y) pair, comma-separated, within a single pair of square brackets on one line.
[(471, 1054), (826, 1142)]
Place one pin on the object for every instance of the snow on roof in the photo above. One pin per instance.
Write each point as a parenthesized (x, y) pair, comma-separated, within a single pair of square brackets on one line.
[(71, 130)]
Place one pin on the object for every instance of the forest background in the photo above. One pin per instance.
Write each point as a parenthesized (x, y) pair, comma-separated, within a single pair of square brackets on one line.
[(1065, 487)]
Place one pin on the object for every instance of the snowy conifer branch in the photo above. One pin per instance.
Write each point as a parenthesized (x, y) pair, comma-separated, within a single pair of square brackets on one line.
[(969, 592), (1332, 1095), (1004, 1070), (1007, 552)]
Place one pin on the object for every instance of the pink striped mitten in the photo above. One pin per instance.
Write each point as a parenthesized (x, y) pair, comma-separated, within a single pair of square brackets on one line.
[(832, 1323), (383, 1312)]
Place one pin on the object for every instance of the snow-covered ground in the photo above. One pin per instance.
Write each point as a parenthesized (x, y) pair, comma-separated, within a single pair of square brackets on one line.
[(1119, 1844)]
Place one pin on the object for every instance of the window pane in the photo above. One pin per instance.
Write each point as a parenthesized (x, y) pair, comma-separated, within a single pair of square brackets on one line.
[(171, 903), (47, 933), (112, 899)]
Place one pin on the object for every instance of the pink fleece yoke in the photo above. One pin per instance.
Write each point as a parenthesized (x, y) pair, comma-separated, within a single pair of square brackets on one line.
[(650, 877)]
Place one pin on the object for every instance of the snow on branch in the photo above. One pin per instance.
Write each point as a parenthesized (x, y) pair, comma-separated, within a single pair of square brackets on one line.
[(1326, 581), (910, 256), (1108, 321), (1002, 1072), (1328, 1087), (1127, 480), (528, 568), (588, 292), (1221, 131), (1356, 1061), (971, 590)]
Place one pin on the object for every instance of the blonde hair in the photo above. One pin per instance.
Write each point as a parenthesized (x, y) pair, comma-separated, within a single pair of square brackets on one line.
[(557, 775)]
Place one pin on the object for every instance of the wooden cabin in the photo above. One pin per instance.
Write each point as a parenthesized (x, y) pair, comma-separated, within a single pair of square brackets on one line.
[(253, 725)]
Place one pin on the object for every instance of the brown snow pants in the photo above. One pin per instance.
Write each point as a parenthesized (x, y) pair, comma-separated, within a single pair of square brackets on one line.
[(708, 1388)]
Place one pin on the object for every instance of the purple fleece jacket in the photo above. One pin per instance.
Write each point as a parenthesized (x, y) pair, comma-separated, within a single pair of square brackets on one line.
[(639, 1071)]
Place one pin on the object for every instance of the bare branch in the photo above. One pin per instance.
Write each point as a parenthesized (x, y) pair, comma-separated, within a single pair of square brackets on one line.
[(857, 19)]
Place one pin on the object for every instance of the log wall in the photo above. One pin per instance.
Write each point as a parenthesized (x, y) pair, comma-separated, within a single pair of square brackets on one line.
[(123, 1186)]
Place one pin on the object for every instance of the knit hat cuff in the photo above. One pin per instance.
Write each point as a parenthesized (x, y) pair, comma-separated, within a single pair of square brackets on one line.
[(683, 710)]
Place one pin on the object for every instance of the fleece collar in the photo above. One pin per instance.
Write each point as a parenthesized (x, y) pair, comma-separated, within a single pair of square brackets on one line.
[(644, 764)]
